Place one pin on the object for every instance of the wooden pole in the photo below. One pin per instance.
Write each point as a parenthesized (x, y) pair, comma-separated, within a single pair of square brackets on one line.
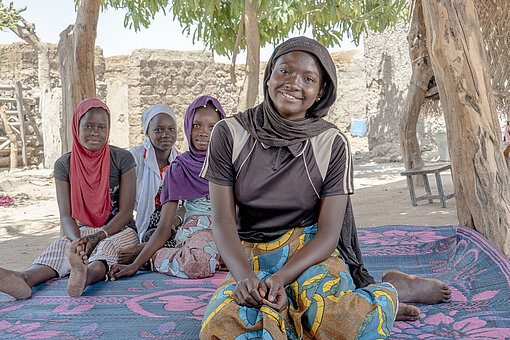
[(250, 90), (19, 103), (76, 51), (12, 138), (480, 175), (422, 72)]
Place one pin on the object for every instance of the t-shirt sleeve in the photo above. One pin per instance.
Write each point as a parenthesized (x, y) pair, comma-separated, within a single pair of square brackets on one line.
[(124, 159), (61, 168), (339, 177), (218, 167)]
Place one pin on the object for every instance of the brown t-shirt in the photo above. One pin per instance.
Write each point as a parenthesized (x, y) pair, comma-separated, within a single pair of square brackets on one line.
[(121, 161), (276, 189)]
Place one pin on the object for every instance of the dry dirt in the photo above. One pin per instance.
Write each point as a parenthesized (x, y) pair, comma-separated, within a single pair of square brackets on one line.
[(381, 197)]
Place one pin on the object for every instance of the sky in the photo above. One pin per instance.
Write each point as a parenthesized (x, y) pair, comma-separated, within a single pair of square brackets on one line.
[(52, 16)]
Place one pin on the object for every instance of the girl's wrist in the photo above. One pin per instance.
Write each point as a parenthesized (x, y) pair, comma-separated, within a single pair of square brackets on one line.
[(101, 235)]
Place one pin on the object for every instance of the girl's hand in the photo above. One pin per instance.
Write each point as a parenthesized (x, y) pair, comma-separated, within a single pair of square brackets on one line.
[(89, 243), (277, 297), (119, 270), (250, 292)]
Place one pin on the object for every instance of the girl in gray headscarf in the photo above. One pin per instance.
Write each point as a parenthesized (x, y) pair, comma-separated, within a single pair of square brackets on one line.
[(152, 158)]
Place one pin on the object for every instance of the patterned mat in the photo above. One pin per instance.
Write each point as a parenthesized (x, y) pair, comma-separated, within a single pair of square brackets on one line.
[(155, 306)]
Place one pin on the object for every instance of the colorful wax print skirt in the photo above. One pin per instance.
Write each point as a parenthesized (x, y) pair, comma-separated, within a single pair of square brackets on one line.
[(323, 302)]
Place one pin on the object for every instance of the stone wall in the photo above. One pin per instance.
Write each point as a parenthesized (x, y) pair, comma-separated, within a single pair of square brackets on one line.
[(18, 62), (174, 78), (388, 71), (350, 101)]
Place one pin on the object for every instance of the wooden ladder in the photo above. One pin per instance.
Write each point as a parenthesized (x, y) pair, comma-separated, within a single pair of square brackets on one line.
[(13, 120)]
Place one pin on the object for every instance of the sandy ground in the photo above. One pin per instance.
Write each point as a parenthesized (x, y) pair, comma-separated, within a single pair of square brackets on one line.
[(381, 197)]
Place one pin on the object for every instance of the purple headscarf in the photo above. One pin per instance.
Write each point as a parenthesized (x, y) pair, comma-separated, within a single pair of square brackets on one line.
[(182, 181)]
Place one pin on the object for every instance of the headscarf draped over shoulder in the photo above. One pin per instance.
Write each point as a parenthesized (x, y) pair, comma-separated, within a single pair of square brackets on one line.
[(183, 181), (148, 174), (89, 173), (267, 126)]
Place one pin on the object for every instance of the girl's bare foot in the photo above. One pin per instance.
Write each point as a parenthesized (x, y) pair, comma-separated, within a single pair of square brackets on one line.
[(129, 254), (78, 277), (13, 284), (407, 312), (418, 289)]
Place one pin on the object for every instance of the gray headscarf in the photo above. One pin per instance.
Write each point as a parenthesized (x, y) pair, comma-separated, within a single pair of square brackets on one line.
[(148, 176), (153, 111)]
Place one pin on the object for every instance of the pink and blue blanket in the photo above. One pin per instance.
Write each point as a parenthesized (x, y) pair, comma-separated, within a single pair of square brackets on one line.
[(155, 306)]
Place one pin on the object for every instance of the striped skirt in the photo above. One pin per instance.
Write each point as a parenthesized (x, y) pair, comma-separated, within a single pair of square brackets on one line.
[(323, 302), (56, 256)]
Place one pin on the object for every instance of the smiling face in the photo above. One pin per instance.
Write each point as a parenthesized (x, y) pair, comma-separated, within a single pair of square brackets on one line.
[(203, 122), (162, 132), (295, 84), (93, 129)]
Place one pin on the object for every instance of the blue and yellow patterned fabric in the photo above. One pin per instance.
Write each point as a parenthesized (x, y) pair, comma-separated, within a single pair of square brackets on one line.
[(323, 302)]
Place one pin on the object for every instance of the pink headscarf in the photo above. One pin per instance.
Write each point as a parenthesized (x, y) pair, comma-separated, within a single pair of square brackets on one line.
[(89, 174)]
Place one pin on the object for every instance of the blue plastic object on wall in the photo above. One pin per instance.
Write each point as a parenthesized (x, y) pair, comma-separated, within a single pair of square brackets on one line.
[(358, 127)]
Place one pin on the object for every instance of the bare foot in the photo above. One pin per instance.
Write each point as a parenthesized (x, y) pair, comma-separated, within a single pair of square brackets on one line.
[(407, 312), (129, 254), (13, 284), (417, 289), (78, 277)]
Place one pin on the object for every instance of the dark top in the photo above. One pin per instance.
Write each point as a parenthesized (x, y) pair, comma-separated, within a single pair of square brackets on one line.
[(277, 188), (121, 161)]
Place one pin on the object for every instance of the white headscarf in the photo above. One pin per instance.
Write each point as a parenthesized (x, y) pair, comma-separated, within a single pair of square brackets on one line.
[(148, 178)]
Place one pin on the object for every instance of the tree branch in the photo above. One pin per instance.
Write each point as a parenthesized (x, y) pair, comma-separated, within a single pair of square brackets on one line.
[(25, 32)]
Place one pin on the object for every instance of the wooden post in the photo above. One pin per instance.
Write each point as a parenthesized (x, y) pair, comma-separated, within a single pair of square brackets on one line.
[(12, 138), (421, 74), (480, 175), (19, 103), (76, 50)]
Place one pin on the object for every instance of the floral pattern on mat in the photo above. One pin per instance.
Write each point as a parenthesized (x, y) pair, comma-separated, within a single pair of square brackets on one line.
[(152, 305)]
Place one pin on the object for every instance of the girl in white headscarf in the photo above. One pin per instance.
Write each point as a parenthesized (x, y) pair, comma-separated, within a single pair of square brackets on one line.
[(152, 158)]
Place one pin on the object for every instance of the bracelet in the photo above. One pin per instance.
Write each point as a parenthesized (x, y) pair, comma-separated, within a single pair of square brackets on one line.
[(106, 233), (180, 219)]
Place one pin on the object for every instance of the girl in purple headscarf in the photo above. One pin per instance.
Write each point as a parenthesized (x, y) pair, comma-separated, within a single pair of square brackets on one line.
[(194, 254)]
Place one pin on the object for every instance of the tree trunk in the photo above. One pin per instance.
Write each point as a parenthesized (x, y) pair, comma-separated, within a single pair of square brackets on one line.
[(421, 74), (233, 78), (250, 88), (50, 119), (50, 116), (76, 55), (479, 172)]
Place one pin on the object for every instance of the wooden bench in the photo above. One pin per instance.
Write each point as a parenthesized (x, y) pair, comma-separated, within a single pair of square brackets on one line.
[(435, 169)]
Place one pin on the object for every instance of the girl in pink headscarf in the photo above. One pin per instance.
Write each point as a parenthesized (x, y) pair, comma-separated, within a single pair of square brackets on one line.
[(95, 185), (192, 253)]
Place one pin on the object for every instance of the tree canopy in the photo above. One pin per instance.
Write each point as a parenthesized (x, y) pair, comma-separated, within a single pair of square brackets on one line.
[(217, 22)]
